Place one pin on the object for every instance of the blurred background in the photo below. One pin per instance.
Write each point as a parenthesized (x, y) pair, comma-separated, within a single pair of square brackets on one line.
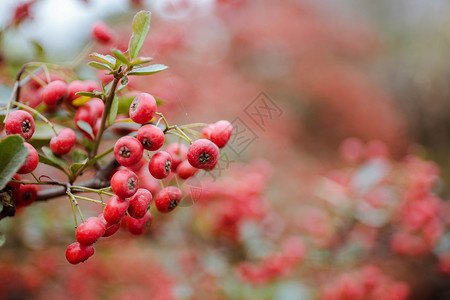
[(336, 179)]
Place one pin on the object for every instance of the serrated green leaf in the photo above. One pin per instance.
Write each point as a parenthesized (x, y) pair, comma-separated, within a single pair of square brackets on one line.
[(13, 154), (120, 56), (100, 66), (141, 60), (148, 70), (45, 160), (86, 128), (2, 239), (141, 25), (113, 110), (50, 155), (108, 59)]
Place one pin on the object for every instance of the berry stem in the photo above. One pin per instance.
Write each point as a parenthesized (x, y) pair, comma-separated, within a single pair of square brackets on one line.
[(97, 191), (72, 197), (72, 200), (88, 199), (164, 120)]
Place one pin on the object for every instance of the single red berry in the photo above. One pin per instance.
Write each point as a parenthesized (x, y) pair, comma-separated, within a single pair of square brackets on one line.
[(115, 209), (54, 92), (206, 131), (25, 195), (203, 154), (31, 162), (136, 167), (159, 165), (185, 170), (124, 183), (74, 87), (139, 203), (14, 186), (168, 199), (101, 32), (139, 226), (178, 153), (92, 85), (151, 137), (63, 142), (221, 133), (147, 181), (142, 108), (110, 228), (77, 253), (97, 107), (20, 122), (128, 151), (90, 231)]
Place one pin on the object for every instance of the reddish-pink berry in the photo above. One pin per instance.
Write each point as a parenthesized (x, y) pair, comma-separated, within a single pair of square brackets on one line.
[(96, 106), (110, 228), (185, 170), (142, 108), (77, 253), (139, 226), (90, 231), (124, 183), (128, 151), (54, 92), (86, 114), (221, 133), (25, 195), (139, 203), (101, 32), (63, 142), (147, 181), (14, 186), (73, 88), (115, 209), (168, 199), (159, 165), (31, 162), (151, 137), (20, 122), (178, 153), (206, 131), (203, 154)]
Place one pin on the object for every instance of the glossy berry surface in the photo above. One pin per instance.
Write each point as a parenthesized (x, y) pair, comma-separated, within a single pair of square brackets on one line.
[(124, 183), (139, 226), (54, 92), (221, 133), (159, 165), (115, 209), (77, 253), (178, 153), (20, 122), (151, 137), (25, 195), (128, 151), (142, 108), (203, 154), (139, 203), (90, 231), (185, 170), (168, 199), (31, 162), (62, 143)]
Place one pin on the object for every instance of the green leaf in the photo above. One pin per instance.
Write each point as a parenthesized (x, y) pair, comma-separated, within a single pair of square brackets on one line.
[(141, 25), (76, 166), (86, 94), (95, 159), (100, 66), (43, 131), (86, 128), (80, 101), (107, 59), (148, 70), (107, 88), (113, 110), (141, 60), (78, 156), (2, 239), (120, 56), (13, 154), (50, 155), (43, 159)]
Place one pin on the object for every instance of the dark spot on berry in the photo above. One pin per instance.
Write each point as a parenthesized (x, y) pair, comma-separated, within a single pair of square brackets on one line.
[(172, 204), (167, 166), (27, 196), (147, 142), (131, 184), (124, 152), (26, 126), (134, 105), (204, 157)]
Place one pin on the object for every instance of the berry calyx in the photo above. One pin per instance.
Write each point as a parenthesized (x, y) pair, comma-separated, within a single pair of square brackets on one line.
[(20, 122), (61, 143), (185, 170), (142, 108), (128, 151), (90, 231), (115, 209), (139, 203), (139, 226), (151, 137), (159, 165), (203, 154), (221, 133), (31, 162), (77, 253), (168, 199), (54, 92), (124, 183)]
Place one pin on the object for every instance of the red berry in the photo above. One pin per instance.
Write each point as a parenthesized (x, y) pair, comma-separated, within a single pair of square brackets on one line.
[(74, 87), (63, 142), (221, 133), (101, 32), (110, 228), (139, 203), (185, 170), (159, 165), (115, 209), (168, 199), (25, 195), (151, 137), (178, 153), (86, 114), (90, 231), (14, 186), (54, 92), (77, 253), (142, 108), (139, 226), (31, 162), (124, 183), (206, 131), (20, 122), (147, 181), (128, 151), (97, 107), (203, 154), (92, 85)]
